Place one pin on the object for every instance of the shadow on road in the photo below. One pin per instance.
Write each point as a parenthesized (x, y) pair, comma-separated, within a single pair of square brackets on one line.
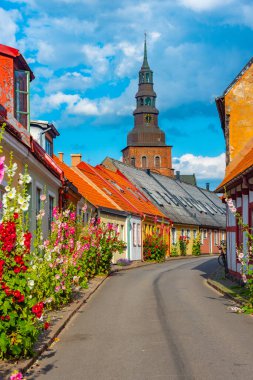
[(207, 267)]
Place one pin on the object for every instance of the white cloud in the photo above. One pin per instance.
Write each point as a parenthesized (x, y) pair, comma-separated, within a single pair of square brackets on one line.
[(204, 5), (8, 26), (204, 167)]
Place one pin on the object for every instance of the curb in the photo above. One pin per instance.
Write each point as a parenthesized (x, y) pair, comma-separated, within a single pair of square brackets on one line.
[(226, 292)]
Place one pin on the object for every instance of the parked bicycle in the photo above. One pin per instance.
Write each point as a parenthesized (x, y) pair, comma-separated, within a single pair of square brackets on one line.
[(222, 259)]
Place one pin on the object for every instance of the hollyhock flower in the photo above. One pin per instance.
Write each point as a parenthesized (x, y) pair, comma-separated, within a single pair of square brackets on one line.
[(240, 255), (43, 197), (38, 309), (46, 325), (30, 283), (2, 168), (57, 289), (72, 215), (12, 193), (57, 276), (16, 376), (24, 206)]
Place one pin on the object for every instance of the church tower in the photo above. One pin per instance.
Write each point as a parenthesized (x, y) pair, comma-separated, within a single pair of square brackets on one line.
[(146, 146)]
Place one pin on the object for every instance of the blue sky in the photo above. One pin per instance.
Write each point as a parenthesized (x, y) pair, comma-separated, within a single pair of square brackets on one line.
[(86, 55)]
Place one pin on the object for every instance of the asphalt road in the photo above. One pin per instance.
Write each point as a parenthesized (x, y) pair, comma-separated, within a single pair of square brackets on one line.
[(156, 322)]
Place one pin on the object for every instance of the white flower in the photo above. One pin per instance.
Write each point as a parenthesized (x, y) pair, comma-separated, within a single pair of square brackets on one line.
[(28, 179), (12, 193), (24, 206), (7, 188), (21, 200), (34, 267), (30, 284)]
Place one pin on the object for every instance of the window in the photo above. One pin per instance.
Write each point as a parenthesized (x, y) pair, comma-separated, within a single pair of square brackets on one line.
[(121, 232), (216, 238), (202, 236), (22, 80), (205, 234), (139, 234), (157, 162), (38, 200), (188, 233), (141, 101), (194, 234), (148, 101), (50, 215), (144, 162), (182, 232), (147, 78), (134, 235), (133, 161), (173, 236), (49, 147)]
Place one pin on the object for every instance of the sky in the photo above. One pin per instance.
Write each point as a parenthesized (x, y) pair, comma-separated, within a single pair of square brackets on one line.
[(86, 55)]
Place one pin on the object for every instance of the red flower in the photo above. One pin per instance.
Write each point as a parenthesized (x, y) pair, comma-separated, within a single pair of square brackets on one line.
[(18, 260), (46, 325), (16, 293), (38, 309), (17, 270), (15, 215)]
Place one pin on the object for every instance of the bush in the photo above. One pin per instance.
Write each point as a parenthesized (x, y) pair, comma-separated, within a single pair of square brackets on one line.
[(154, 247), (183, 242), (196, 247), (174, 251)]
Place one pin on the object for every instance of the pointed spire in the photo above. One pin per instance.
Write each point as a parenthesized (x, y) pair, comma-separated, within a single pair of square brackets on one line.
[(145, 64)]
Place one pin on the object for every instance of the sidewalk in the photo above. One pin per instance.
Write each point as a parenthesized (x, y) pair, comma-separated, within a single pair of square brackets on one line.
[(60, 318), (227, 287)]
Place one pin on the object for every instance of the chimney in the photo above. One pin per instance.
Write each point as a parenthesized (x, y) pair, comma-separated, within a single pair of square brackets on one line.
[(76, 159), (60, 155), (208, 186), (178, 174)]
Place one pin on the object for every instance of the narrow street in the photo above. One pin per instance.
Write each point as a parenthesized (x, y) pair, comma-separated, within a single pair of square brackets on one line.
[(156, 322)]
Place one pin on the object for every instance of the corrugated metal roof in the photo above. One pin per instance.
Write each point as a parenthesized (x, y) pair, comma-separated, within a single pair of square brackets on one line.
[(181, 202)]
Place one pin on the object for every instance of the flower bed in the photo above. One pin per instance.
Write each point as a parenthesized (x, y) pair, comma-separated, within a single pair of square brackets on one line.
[(45, 275)]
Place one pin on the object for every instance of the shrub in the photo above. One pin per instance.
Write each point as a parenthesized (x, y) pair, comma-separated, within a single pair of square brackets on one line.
[(183, 242), (196, 246), (174, 251), (154, 246)]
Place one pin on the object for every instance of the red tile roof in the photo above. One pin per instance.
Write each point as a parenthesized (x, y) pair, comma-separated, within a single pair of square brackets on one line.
[(84, 188), (99, 180), (130, 192)]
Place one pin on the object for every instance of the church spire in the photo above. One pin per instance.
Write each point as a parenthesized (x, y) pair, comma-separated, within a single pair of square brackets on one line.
[(145, 64)]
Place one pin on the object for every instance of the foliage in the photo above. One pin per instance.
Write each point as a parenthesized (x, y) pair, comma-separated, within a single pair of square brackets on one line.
[(154, 245), (244, 256), (19, 316), (45, 276), (196, 246), (174, 250), (183, 243)]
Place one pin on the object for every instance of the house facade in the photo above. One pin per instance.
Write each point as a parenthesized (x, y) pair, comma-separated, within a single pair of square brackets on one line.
[(235, 109), (47, 178), (192, 210)]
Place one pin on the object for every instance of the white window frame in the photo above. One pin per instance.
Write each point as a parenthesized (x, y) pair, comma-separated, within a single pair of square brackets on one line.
[(216, 237), (188, 233), (134, 235), (205, 233), (194, 234), (139, 234), (173, 235), (201, 236)]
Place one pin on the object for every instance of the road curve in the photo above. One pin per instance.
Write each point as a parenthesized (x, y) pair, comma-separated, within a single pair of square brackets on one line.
[(156, 322)]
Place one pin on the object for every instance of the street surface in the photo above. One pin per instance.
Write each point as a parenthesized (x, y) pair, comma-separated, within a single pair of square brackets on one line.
[(156, 322)]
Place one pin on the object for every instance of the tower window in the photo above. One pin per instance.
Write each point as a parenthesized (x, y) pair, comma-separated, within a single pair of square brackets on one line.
[(147, 78), (141, 101), (142, 78), (157, 162), (133, 161), (144, 162), (148, 101)]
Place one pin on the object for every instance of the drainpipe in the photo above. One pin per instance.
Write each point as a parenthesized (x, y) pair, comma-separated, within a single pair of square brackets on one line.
[(128, 237), (143, 217)]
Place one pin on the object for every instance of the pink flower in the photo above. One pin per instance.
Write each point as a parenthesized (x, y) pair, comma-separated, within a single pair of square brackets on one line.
[(57, 289), (16, 376), (84, 208), (43, 197), (57, 276), (2, 168), (244, 278), (72, 215)]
